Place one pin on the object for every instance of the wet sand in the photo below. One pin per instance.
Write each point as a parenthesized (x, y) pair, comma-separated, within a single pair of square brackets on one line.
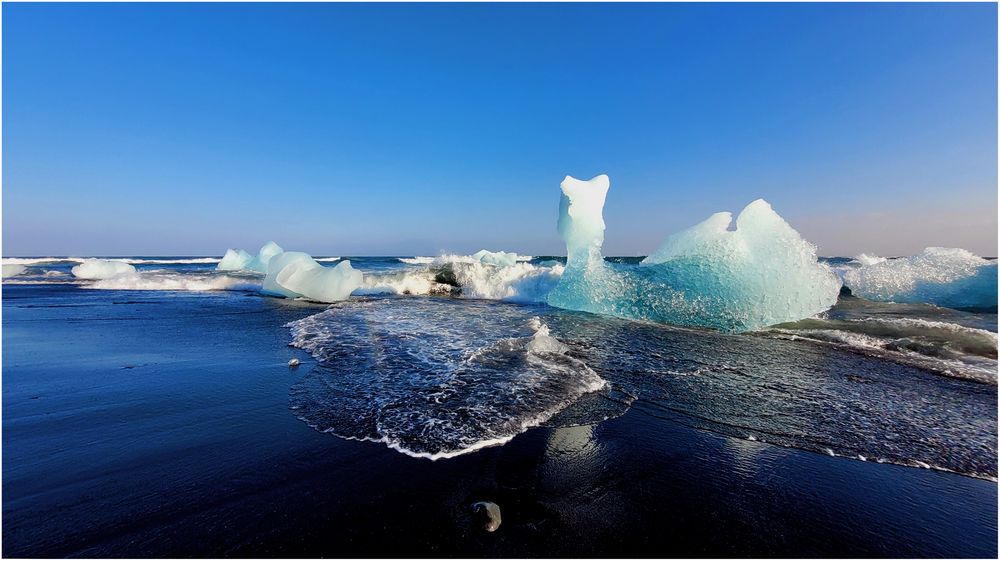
[(142, 424)]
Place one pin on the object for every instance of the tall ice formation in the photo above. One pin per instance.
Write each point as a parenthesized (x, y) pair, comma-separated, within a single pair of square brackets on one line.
[(759, 274)]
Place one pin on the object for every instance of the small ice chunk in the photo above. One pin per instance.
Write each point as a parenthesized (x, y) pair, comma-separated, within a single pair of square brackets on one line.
[(101, 269), (234, 260), (13, 270), (294, 274)]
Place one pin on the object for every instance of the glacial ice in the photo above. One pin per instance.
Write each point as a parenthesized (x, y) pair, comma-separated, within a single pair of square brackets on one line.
[(234, 260), (498, 258), (239, 260), (948, 277), (101, 269), (294, 274), (264, 256), (759, 274), (13, 270)]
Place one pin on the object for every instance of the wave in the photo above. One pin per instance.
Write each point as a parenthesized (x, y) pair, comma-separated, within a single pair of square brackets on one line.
[(129, 260), (431, 383), (943, 348), (416, 260), (483, 257), (949, 277), (468, 277), (174, 282)]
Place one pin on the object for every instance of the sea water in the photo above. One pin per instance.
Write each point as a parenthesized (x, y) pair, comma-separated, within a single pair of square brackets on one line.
[(441, 356)]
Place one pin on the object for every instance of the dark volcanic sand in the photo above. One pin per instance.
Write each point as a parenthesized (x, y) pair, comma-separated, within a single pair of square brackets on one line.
[(158, 424)]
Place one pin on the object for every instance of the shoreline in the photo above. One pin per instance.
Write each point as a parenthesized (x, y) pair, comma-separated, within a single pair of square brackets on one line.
[(156, 429)]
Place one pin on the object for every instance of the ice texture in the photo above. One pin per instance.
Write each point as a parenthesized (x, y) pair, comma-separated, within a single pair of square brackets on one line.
[(498, 258), (101, 269), (13, 270), (239, 260), (948, 277), (234, 260), (294, 274), (867, 259), (759, 274)]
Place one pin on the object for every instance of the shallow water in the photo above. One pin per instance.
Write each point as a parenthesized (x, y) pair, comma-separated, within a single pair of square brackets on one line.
[(437, 376), (157, 422)]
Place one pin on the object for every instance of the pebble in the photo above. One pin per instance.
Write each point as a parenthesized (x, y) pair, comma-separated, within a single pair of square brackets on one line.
[(488, 514)]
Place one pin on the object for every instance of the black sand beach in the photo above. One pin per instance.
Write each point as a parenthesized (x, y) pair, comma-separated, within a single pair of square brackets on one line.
[(139, 425)]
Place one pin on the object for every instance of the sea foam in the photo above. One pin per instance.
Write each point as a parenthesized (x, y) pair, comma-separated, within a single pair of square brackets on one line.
[(949, 277), (101, 269)]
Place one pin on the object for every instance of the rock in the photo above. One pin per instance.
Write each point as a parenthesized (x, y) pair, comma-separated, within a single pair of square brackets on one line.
[(294, 363), (488, 514)]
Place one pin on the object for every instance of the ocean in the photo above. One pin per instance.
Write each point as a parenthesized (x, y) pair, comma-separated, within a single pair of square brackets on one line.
[(156, 413)]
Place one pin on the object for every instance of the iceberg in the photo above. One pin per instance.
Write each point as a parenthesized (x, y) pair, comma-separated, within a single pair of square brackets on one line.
[(758, 274), (498, 258), (12, 270), (101, 269), (239, 260), (234, 260), (293, 274), (948, 277)]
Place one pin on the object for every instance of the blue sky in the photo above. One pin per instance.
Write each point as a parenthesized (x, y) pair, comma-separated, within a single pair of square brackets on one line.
[(179, 129)]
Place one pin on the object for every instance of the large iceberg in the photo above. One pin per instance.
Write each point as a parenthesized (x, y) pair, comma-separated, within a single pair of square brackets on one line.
[(239, 260), (949, 277), (759, 274), (101, 269), (294, 274)]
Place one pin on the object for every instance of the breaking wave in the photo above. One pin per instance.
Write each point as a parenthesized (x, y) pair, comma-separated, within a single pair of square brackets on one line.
[(429, 382), (950, 277), (129, 260), (468, 277), (173, 281), (940, 347)]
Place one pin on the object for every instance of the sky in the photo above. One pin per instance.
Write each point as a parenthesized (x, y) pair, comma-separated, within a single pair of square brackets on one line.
[(384, 129)]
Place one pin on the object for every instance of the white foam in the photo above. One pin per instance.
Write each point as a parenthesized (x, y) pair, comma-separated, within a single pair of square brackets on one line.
[(172, 282), (418, 260), (521, 282), (948, 277), (402, 282), (129, 260), (515, 280), (101, 269), (866, 259)]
